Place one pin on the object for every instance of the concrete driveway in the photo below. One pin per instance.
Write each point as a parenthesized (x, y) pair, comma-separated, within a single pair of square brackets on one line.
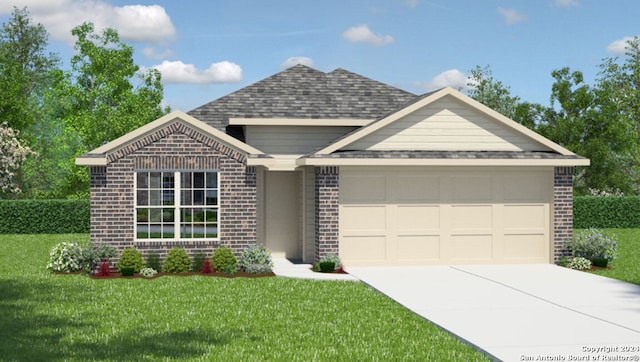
[(521, 312)]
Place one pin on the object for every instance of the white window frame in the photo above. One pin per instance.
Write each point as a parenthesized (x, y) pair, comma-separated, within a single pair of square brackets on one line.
[(177, 206)]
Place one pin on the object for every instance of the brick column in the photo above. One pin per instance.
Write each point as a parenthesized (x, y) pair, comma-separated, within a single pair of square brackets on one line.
[(562, 211), (326, 218)]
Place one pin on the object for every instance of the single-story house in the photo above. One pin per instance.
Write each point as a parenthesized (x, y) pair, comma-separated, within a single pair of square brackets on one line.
[(310, 163)]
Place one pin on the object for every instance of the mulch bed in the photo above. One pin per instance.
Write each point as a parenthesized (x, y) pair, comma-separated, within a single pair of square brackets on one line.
[(116, 275)]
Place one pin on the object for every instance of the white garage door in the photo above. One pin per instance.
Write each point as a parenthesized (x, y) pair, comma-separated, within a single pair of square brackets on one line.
[(404, 216)]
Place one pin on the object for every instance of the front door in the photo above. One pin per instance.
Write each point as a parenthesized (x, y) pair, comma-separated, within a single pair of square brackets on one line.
[(282, 217)]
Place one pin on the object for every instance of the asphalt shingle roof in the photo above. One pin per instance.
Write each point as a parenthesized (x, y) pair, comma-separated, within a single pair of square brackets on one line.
[(303, 92)]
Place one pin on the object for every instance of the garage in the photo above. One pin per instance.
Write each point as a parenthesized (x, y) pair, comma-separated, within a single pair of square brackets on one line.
[(445, 215)]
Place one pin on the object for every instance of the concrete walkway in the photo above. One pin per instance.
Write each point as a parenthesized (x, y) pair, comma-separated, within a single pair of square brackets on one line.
[(286, 268), (521, 312)]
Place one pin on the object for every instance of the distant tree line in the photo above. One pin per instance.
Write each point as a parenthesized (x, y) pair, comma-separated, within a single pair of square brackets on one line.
[(600, 121), (49, 116)]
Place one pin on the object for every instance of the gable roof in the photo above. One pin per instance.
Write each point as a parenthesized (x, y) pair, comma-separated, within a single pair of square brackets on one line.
[(301, 92), (99, 156), (430, 98)]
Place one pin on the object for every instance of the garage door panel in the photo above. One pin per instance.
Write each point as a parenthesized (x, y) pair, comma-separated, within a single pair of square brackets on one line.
[(418, 248), (363, 189), (472, 247), (364, 219), (363, 249), (472, 217), (417, 218), (525, 217), (525, 246), (527, 186), (472, 189), (417, 189)]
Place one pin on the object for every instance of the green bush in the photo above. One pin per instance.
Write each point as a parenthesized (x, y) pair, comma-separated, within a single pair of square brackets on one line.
[(130, 258), (65, 257), (594, 243), (153, 262), (44, 216), (224, 261), (94, 253), (606, 212), (198, 261), (579, 263), (333, 258), (256, 255), (177, 261)]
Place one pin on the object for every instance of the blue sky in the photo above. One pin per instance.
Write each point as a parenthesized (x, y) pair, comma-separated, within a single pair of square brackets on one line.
[(208, 48)]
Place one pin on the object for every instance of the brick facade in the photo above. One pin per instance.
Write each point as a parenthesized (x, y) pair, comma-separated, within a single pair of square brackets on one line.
[(327, 199), (562, 210), (175, 147)]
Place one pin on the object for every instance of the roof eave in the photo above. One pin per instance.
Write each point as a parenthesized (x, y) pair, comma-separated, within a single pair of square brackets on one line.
[(329, 161)]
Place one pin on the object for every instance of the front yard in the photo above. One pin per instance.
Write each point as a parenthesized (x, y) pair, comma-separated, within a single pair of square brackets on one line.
[(626, 266), (72, 317)]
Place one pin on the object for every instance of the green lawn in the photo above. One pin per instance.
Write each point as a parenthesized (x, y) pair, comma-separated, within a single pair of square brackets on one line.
[(626, 266), (72, 317)]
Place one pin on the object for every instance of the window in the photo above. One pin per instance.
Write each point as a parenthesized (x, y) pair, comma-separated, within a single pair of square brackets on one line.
[(177, 205)]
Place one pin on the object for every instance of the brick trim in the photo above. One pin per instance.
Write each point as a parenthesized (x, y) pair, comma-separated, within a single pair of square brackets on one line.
[(562, 211), (327, 200)]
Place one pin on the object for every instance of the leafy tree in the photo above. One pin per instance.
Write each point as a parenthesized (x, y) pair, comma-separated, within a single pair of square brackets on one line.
[(12, 156), (25, 71), (495, 95), (102, 103)]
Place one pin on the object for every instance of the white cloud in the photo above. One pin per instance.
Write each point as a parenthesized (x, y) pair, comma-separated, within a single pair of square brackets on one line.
[(295, 61), (511, 16), (567, 3), (138, 23), (619, 47), (362, 34), (179, 72), (411, 3), (449, 78)]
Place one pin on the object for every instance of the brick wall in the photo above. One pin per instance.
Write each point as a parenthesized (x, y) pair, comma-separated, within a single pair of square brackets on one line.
[(173, 148), (327, 200), (562, 210)]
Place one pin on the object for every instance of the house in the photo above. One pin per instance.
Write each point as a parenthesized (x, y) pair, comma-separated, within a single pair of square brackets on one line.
[(310, 163)]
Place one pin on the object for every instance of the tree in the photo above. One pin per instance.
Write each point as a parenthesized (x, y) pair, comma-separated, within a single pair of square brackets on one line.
[(586, 123), (495, 95), (102, 103), (25, 71), (12, 156)]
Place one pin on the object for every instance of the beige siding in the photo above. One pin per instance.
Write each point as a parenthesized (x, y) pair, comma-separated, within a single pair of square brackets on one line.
[(292, 139), (447, 125), (282, 216), (260, 206), (405, 216), (309, 215)]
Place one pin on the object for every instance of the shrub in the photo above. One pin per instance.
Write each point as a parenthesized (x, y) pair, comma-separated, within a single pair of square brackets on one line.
[(130, 258), (563, 261), (93, 254), (593, 243), (333, 258), (148, 272), (327, 266), (224, 261), (256, 255), (65, 257), (127, 271), (153, 261), (177, 261), (579, 263), (206, 267), (104, 270), (256, 269), (198, 261)]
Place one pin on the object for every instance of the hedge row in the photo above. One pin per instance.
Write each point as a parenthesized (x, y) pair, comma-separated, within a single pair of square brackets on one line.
[(44, 216), (606, 212)]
